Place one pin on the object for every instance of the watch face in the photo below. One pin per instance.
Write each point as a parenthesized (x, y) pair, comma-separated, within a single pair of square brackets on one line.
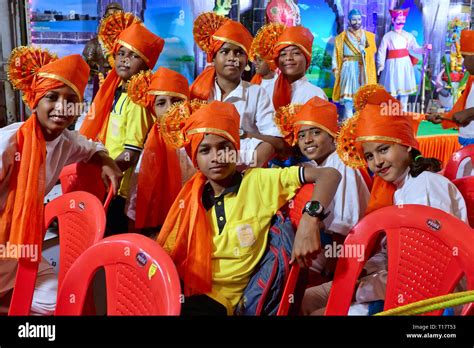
[(314, 206)]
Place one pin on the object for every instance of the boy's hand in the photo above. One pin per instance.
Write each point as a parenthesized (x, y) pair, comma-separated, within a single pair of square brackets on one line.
[(434, 118), (307, 243), (464, 117), (110, 171)]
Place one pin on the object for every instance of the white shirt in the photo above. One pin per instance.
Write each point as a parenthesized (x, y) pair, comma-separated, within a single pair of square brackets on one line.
[(396, 41), (269, 85), (254, 106), (351, 198), (70, 147), (302, 91), (468, 131)]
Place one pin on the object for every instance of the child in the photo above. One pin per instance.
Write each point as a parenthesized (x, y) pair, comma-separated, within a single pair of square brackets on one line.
[(314, 129), (261, 53), (462, 113), (158, 176), (114, 119), (33, 153), (292, 54), (388, 145), (218, 240), (227, 44)]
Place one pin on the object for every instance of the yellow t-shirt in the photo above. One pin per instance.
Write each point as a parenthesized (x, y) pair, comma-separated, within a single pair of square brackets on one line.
[(128, 127), (245, 223)]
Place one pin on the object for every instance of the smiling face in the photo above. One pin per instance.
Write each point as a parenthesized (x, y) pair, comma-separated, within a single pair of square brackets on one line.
[(57, 110), (315, 143), (389, 161), (230, 62), (163, 102), (292, 63), (128, 63), (216, 157)]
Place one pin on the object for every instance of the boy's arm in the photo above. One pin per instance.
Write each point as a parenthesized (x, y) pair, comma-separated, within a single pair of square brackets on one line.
[(307, 240), (464, 117)]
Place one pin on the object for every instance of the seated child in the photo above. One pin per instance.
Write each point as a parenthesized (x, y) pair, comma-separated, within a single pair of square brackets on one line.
[(33, 153), (218, 240)]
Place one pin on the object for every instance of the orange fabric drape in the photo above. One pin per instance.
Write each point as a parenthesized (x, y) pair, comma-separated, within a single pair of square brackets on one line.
[(95, 123), (459, 106), (381, 195), (203, 84), (159, 181), (21, 222), (441, 147), (256, 79)]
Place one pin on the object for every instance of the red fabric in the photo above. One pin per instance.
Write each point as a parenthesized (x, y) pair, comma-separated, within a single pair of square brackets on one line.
[(393, 54), (397, 12), (459, 106), (467, 41), (186, 233), (256, 79)]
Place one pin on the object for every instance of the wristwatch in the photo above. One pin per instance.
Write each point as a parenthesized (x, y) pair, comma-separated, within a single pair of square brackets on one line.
[(315, 209), (242, 134)]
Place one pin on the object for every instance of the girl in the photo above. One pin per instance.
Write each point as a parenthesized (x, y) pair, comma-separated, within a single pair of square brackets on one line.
[(161, 170), (384, 139), (33, 153)]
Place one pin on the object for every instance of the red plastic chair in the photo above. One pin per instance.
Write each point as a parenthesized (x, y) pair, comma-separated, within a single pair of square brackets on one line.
[(141, 278), (428, 251), (452, 166), (85, 177), (81, 221), (466, 186)]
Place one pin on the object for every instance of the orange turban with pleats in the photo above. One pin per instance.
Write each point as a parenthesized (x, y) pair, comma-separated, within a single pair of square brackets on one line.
[(380, 119), (293, 36), (467, 42), (159, 178), (186, 234), (319, 113), (132, 35), (210, 32), (34, 72)]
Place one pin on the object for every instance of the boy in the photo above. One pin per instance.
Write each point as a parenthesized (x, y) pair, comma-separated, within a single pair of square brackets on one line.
[(118, 122), (218, 240), (292, 54), (222, 81), (33, 153)]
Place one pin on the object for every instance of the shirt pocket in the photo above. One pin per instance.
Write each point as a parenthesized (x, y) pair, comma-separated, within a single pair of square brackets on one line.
[(244, 234)]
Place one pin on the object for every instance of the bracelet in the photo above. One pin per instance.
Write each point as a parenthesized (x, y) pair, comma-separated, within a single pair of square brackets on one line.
[(419, 156)]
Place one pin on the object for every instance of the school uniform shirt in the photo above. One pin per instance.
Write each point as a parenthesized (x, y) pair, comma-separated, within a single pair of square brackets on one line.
[(240, 220), (70, 147), (269, 85), (302, 90), (128, 127), (349, 203), (256, 114), (429, 189)]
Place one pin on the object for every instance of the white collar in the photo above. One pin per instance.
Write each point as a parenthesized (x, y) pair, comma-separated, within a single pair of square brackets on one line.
[(238, 92), (401, 180), (300, 81)]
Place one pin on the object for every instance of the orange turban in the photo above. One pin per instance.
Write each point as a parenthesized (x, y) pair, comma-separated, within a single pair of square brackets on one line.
[(263, 45), (379, 118), (467, 42), (319, 113), (294, 36), (131, 34), (210, 32), (159, 178), (186, 234), (35, 72)]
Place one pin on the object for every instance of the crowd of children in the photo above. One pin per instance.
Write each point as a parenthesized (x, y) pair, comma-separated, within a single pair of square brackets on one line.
[(164, 145)]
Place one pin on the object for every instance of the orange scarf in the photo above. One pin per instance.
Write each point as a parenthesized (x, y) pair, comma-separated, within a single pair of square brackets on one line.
[(256, 79), (459, 106), (158, 183), (21, 222)]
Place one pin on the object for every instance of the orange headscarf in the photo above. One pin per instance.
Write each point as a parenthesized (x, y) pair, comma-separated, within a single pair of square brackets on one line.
[(263, 45), (211, 31), (35, 72), (159, 179), (467, 49), (186, 233), (380, 119), (136, 38), (294, 36)]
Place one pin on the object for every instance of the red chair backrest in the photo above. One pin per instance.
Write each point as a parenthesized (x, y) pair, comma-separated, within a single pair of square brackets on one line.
[(466, 187), (452, 166), (428, 251), (141, 278), (85, 177), (81, 221)]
